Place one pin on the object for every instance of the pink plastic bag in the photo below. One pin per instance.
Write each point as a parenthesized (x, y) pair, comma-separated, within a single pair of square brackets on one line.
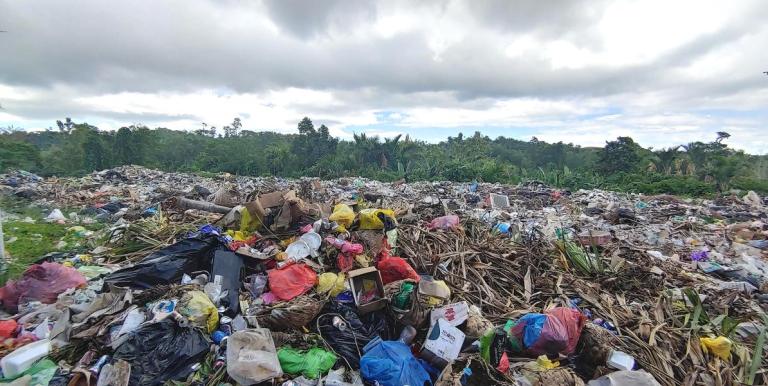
[(445, 222), (40, 282), (557, 331), (573, 321), (348, 251), (291, 281)]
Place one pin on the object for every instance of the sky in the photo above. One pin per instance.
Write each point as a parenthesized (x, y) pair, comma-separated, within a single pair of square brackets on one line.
[(583, 72)]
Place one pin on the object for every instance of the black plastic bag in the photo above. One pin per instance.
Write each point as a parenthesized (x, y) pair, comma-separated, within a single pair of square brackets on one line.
[(358, 332), (162, 351), (167, 265), (228, 265)]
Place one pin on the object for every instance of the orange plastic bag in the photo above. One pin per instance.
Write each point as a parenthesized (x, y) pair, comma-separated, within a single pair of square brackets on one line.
[(291, 281)]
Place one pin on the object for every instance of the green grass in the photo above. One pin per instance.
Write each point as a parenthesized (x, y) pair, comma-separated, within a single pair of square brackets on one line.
[(34, 240)]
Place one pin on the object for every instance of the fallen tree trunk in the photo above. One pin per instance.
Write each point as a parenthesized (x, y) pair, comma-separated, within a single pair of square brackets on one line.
[(185, 203)]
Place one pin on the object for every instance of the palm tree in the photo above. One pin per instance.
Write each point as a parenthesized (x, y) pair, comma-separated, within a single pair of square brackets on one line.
[(664, 159)]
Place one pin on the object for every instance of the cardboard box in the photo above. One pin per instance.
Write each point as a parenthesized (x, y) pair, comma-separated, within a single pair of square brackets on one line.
[(367, 281), (443, 343)]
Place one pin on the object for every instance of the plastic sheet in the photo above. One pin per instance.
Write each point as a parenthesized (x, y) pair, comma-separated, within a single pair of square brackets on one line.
[(228, 265), (391, 363), (311, 363), (40, 282), (162, 351), (291, 281), (168, 265)]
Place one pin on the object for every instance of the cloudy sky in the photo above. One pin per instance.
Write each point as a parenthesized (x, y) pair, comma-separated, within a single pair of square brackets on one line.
[(664, 72)]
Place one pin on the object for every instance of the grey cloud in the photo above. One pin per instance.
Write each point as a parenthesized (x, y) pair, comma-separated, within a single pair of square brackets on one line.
[(98, 47), (307, 19)]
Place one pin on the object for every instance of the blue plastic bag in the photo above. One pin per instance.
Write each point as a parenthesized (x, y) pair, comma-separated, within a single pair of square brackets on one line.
[(533, 324), (391, 363)]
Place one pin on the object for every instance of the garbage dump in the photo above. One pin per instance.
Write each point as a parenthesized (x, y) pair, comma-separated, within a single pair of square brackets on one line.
[(243, 280)]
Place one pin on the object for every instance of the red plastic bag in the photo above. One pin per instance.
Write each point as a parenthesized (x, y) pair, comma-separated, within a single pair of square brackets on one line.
[(445, 222), (291, 281), (573, 321), (395, 268), (8, 328), (40, 282), (557, 331)]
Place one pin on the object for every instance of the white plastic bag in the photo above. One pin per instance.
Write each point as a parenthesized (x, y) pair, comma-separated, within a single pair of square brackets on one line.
[(251, 356)]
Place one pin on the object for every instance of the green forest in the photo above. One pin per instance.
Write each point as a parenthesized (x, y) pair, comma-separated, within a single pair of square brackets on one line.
[(691, 169)]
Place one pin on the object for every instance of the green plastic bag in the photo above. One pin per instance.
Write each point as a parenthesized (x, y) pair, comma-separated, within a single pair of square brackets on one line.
[(40, 373), (311, 364)]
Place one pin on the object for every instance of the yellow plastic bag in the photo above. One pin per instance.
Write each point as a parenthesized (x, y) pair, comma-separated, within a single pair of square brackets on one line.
[(369, 218), (331, 283), (342, 215), (545, 363), (720, 346), (198, 308), (238, 235)]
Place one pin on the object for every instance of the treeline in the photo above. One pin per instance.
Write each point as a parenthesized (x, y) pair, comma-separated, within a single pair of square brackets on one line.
[(697, 168)]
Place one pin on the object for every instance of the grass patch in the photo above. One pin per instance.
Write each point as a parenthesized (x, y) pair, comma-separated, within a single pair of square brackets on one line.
[(32, 241), (26, 242)]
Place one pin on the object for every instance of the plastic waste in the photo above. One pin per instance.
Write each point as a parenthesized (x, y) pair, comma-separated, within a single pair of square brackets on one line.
[(291, 281), (444, 223), (8, 328), (391, 363), (40, 373), (358, 330), (40, 282), (251, 356), (331, 283), (198, 308), (555, 332), (162, 351), (228, 265), (347, 250), (169, 264), (371, 219), (343, 215), (625, 378), (55, 216), (255, 284), (396, 268), (720, 346), (21, 359), (337, 378), (306, 245), (311, 363), (620, 360)]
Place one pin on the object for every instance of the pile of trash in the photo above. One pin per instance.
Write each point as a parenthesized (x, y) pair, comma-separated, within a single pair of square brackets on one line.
[(259, 280)]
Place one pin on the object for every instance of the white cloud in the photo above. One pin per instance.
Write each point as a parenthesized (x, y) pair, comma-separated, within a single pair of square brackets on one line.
[(583, 71)]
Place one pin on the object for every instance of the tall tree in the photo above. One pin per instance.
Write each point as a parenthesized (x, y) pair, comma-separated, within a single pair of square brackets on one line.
[(618, 156)]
